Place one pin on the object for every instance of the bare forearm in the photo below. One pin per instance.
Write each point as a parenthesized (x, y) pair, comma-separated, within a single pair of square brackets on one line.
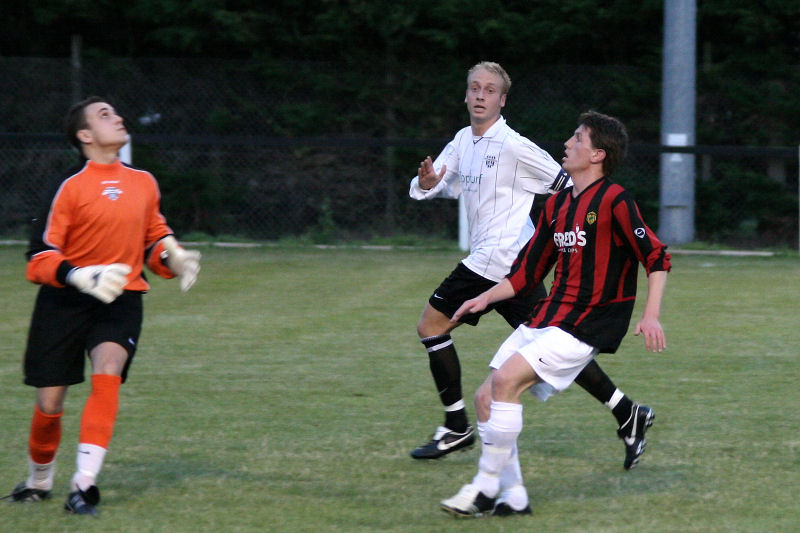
[(656, 283), (502, 291)]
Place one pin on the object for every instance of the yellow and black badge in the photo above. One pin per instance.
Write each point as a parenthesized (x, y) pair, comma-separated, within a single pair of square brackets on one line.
[(591, 217)]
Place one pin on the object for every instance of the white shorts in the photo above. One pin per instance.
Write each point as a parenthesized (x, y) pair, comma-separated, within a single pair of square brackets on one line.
[(556, 356)]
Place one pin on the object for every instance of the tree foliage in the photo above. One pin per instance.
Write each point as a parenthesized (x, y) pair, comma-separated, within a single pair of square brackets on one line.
[(394, 57), (749, 72)]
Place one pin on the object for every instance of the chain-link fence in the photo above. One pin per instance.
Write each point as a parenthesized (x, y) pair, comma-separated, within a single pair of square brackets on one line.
[(230, 161)]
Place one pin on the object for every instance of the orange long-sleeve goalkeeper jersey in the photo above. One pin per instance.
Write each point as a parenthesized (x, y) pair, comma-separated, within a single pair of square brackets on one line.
[(99, 214)]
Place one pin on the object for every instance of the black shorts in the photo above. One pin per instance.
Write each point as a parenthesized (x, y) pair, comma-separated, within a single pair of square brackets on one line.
[(463, 284), (66, 324)]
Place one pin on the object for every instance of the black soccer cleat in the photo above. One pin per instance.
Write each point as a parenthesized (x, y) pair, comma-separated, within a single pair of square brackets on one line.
[(470, 502), (632, 434), (444, 441), (23, 493), (83, 501), (502, 508)]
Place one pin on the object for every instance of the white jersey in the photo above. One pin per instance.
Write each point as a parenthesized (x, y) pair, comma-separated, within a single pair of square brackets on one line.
[(498, 174)]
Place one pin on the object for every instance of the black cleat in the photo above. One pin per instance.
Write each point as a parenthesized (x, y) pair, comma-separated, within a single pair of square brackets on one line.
[(502, 508), (83, 501), (23, 493), (468, 503), (632, 434), (444, 441)]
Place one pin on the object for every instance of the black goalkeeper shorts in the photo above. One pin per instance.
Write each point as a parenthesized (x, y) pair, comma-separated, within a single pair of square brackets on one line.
[(66, 324), (463, 284)]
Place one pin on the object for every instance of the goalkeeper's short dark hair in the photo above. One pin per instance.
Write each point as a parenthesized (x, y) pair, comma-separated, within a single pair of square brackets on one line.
[(76, 120)]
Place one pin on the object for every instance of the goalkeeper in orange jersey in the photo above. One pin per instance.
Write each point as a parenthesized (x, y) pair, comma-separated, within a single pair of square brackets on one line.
[(101, 225)]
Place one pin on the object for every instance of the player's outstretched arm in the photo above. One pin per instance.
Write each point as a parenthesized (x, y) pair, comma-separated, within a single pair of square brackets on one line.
[(649, 326), (502, 291), (104, 282), (184, 263)]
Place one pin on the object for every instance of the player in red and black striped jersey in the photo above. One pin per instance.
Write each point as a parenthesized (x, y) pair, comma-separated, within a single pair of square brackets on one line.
[(87, 250), (593, 236), (594, 241)]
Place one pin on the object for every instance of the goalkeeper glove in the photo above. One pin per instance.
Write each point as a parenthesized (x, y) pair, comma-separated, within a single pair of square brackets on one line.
[(184, 263), (104, 282)]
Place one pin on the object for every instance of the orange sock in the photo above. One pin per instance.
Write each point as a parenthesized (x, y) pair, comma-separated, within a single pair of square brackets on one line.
[(100, 412), (45, 436)]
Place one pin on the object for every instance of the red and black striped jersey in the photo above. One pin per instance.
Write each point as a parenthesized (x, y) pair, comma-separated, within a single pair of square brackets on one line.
[(595, 241), (99, 214)]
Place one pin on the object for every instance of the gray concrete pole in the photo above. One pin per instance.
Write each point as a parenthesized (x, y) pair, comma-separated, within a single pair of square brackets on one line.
[(676, 213)]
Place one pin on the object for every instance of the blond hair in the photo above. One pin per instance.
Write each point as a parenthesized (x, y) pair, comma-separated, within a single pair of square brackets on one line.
[(494, 68)]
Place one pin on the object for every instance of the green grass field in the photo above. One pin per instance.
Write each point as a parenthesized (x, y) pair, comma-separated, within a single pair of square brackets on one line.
[(284, 392)]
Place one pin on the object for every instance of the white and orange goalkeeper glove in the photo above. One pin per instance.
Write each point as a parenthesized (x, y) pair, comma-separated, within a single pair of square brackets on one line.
[(104, 282), (184, 263)]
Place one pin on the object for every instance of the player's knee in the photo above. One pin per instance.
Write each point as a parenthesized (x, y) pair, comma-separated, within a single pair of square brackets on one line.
[(421, 329), (433, 323), (429, 328), (50, 406), (504, 386), (483, 400)]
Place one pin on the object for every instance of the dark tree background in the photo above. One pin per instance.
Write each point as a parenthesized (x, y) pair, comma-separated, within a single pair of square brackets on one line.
[(309, 116), (399, 57)]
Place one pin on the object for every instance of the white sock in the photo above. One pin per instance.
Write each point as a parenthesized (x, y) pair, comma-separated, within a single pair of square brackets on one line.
[(516, 497), (511, 488), (615, 398), (502, 430), (89, 462), (40, 476), (481, 427)]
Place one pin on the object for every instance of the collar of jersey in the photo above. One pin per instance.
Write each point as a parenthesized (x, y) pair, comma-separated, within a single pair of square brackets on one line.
[(102, 168), (495, 128)]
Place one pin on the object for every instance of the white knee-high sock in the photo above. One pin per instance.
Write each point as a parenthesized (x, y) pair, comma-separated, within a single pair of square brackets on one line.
[(511, 488), (500, 439), (481, 427)]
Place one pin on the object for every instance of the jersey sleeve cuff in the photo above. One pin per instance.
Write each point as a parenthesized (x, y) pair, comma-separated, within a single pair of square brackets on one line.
[(155, 259), (62, 271)]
